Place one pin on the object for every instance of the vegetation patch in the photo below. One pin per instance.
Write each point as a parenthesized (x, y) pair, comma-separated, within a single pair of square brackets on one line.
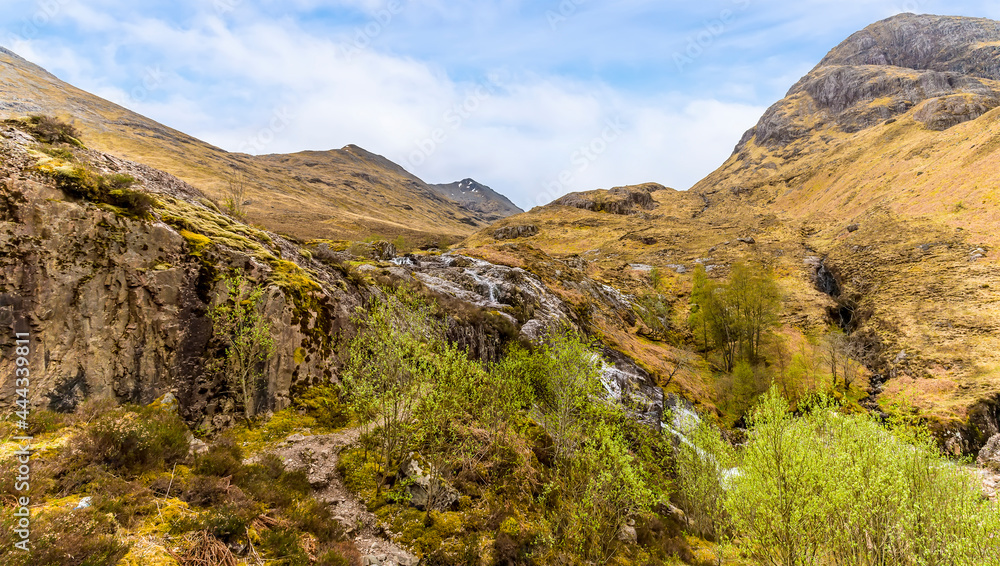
[(114, 189)]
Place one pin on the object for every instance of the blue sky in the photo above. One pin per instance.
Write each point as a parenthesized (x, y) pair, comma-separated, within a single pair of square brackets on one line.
[(535, 99)]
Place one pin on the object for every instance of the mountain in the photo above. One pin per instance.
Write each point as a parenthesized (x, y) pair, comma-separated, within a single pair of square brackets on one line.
[(900, 115), (479, 198), (205, 389), (338, 194), (870, 189)]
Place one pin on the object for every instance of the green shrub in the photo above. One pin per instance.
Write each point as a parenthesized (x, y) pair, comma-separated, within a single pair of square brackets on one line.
[(223, 458), (47, 129), (134, 441), (702, 461), (829, 488), (65, 537), (268, 482), (114, 189)]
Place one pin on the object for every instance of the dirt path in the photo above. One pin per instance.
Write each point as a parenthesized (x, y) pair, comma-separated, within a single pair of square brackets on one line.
[(318, 456)]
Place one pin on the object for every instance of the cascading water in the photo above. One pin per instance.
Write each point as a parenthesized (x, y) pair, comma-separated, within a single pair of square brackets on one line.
[(482, 282)]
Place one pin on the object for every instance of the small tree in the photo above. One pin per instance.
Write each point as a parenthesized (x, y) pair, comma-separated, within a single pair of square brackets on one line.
[(239, 323), (388, 361), (735, 318), (236, 193), (571, 378)]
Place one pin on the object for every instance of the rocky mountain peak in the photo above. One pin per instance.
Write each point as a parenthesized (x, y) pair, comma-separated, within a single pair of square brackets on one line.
[(969, 46), (478, 198), (944, 69)]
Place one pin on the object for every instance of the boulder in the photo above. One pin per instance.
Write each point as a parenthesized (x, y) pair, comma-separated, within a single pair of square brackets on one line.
[(989, 455), (427, 488), (619, 200), (196, 447), (628, 535)]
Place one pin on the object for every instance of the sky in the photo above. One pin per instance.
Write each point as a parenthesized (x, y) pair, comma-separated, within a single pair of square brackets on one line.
[(533, 98)]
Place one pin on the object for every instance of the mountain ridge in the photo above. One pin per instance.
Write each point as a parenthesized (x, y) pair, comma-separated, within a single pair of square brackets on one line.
[(345, 202), (877, 177), (478, 197)]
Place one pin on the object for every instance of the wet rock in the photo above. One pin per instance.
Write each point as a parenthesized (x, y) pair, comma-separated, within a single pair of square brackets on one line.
[(382, 250)]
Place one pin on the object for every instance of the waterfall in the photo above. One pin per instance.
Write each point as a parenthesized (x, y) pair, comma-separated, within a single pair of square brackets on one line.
[(490, 285)]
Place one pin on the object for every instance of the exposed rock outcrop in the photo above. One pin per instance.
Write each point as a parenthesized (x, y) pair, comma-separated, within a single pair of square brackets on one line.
[(619, 200), (117, 306), (948, 67), (513, 232), (989, 456), (428, 490)]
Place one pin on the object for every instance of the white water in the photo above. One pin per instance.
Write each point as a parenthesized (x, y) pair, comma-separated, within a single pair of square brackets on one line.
[(490, 285)]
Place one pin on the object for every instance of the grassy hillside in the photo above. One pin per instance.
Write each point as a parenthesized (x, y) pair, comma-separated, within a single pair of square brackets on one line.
[(338, 194)]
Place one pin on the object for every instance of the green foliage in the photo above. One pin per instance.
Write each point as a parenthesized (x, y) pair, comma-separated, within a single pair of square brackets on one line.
[(388, 361), (240, 326), (558, 490), (655, 312), (827, 488), (703, 461), (134, 441), (617, 488), (735, 318), (114, 189), (324, 404), (567, 377), (64, 537)]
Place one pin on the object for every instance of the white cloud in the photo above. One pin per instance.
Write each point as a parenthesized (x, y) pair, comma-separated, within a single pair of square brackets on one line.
[(267, 77)]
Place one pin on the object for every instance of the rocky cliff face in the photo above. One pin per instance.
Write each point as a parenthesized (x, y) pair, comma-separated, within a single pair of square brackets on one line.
[(948, 67), (117, 307)]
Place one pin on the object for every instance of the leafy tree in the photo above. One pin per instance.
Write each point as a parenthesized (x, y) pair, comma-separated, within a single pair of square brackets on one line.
[(236, 193), (570, 377), (239, 323), (505, 391), (771, 501), (388, 361), (703, 460), (735, 317), (617, 487), (893, 498)]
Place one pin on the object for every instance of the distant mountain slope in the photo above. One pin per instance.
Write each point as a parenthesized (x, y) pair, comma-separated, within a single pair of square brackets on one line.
[(478, 198), (871, 189), (902, 114), (348, 193)]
